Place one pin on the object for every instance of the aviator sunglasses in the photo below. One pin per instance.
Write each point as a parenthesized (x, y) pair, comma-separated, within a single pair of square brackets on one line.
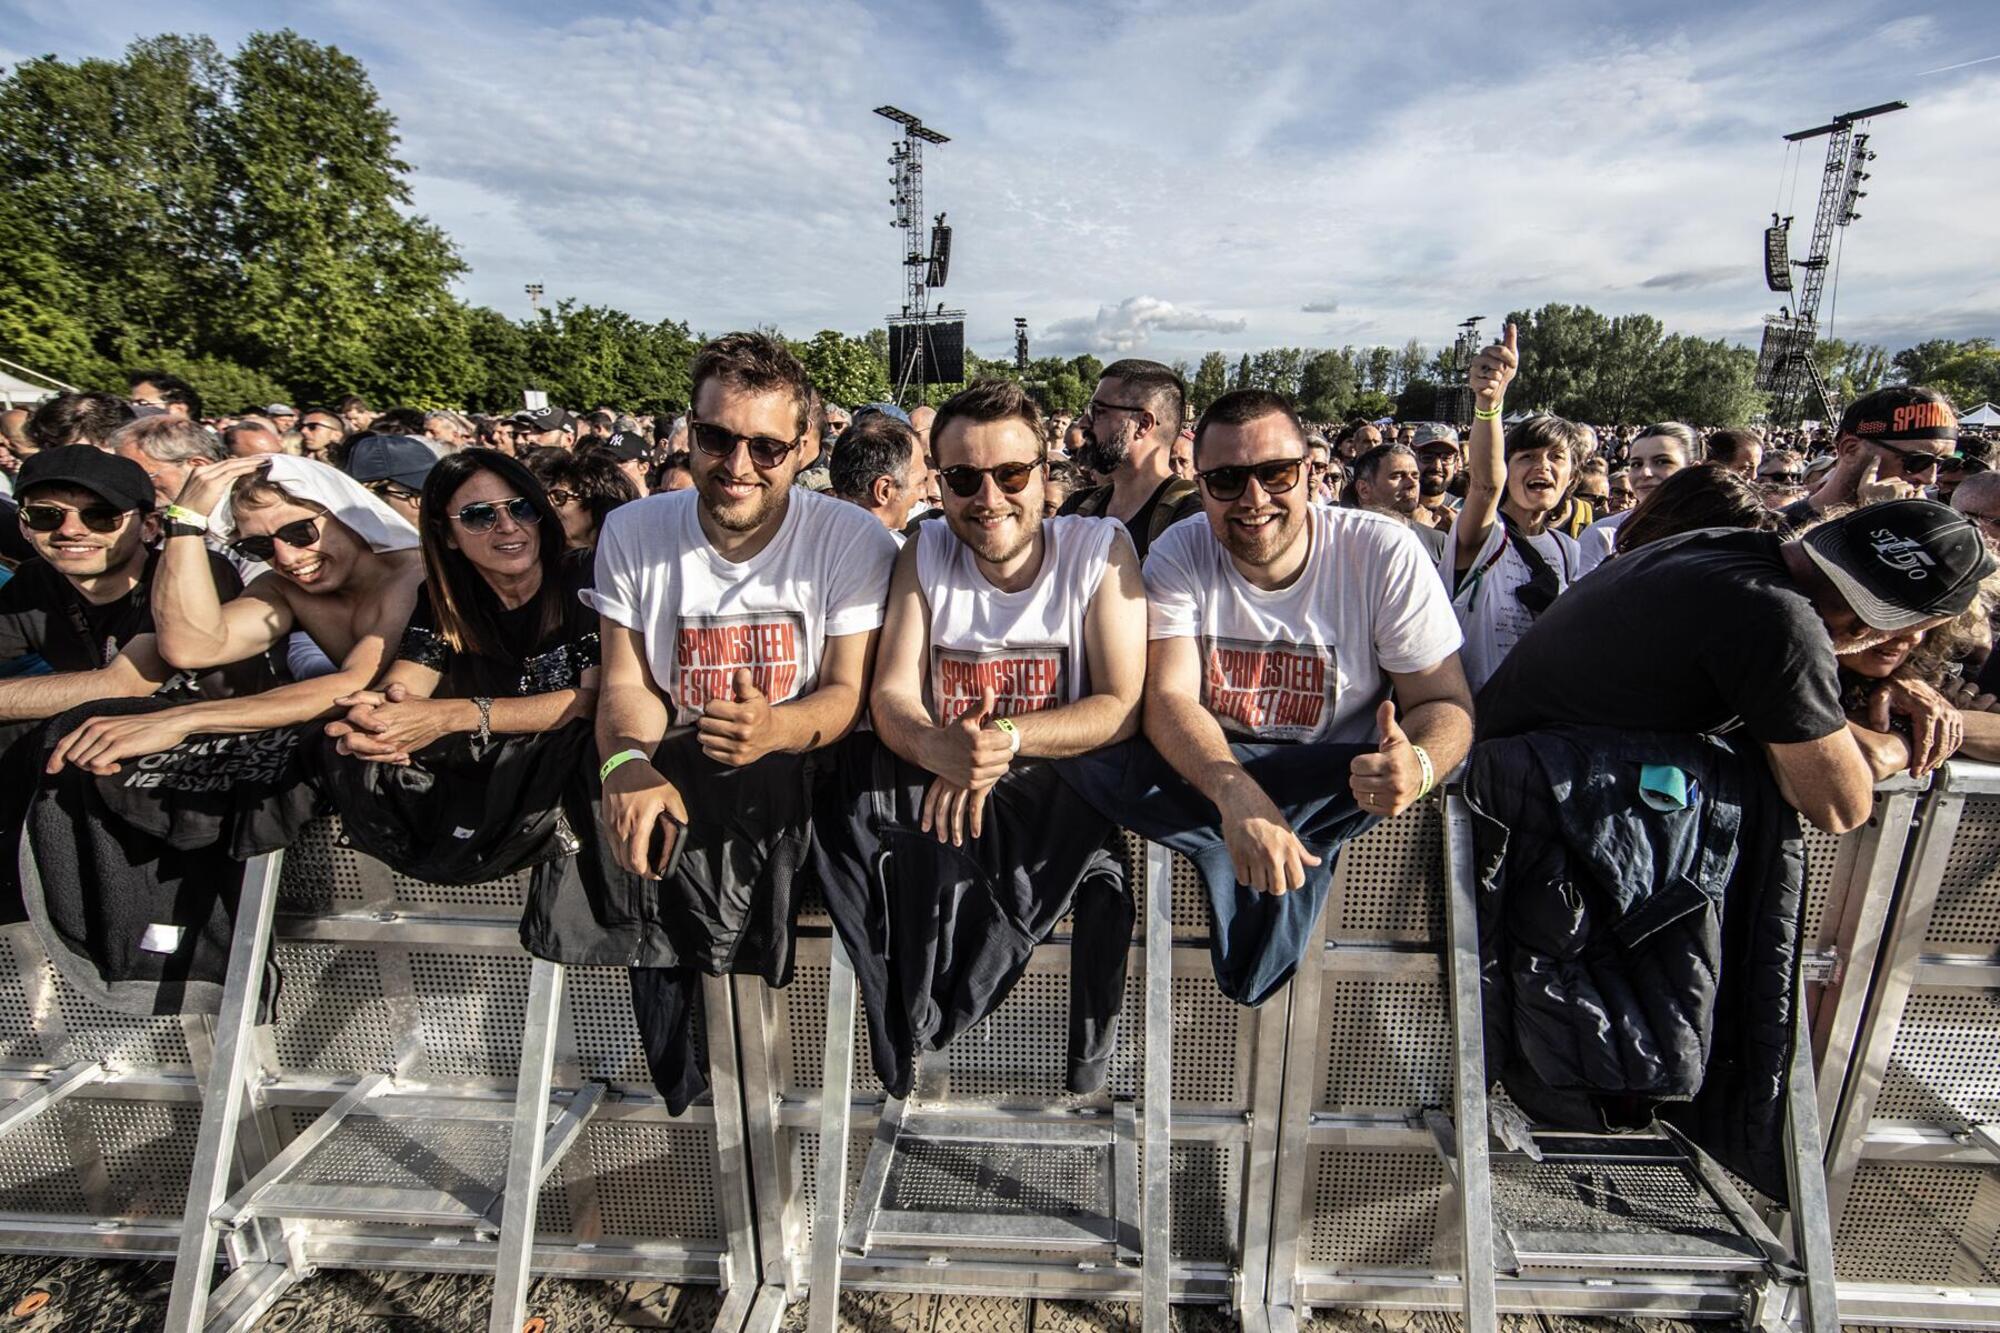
[(484, 514), (965, 480), (50, 518), (298, 535), (1229, 483)]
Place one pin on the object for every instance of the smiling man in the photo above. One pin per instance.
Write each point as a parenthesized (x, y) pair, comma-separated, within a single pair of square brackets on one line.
[(741, 614), (344, 569), (1011, 639), (1286, 638)]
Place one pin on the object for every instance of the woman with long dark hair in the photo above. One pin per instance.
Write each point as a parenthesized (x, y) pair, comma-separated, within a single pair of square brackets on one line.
[(584, 488), (499, 642)]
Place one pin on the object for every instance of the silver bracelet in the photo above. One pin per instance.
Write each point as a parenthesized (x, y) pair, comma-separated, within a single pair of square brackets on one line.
[(485, 707)]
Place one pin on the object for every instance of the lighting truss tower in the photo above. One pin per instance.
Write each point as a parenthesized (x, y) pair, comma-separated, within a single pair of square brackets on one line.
[(1021, 344), (907, 160), (1847, 158)]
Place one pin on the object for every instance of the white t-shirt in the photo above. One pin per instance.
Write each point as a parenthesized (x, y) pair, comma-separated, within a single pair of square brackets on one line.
[(826, 574), (1028, 645), (1304, 662), (1598, 542), (1484, 595)]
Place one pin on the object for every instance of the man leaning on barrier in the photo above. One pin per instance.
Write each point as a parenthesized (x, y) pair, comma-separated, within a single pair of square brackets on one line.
[(1285, 639), (736, 620), (949, 848), (1641, 871)]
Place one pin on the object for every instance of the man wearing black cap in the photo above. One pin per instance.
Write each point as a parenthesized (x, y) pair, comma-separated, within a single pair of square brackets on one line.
[(633, 452), (544, 428), (84, 604), (1889, 441), (394, 467), (1736, 632)]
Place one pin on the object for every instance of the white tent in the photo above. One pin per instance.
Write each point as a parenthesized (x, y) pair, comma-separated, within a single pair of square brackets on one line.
[(1983, 415), (17, 392)]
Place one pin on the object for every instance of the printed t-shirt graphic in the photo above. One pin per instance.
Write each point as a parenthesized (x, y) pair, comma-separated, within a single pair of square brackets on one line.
[(1025, 679), (709, 650), (1269, 691)]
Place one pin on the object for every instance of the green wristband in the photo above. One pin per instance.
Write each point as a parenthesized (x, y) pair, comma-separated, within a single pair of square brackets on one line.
[(611, 764), (192, 517)]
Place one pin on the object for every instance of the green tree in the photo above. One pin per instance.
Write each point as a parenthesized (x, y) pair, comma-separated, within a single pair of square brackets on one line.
[(846, 369), (1851, 369), (1210, 382), (1408, 367), (1242, 378), (1326, 382), (1924, 362)]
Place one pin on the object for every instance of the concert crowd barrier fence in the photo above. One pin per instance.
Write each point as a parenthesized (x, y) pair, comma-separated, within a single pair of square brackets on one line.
[(407, 1089)]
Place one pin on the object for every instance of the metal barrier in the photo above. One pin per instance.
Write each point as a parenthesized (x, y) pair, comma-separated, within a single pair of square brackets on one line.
[(1915, 1193), (422, 1075)]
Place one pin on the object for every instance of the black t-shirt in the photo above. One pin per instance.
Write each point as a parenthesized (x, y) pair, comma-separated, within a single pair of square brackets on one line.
[(1691, 634), (42, 612), (528, 664), (1142, 525)]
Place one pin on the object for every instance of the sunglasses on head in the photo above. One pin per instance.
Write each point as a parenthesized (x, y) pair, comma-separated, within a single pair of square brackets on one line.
[(298, 535), (720, 442), (50, 518), (965, 480), (1229, 483), (482, 515)]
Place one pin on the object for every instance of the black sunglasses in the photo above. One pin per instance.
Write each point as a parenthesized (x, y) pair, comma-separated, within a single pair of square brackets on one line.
[(965, 480), (1783, 478), (1914, 461), (1276, 477), (484, 514), (390, 490), (720, 442), (559, 496), (50, 518), (298, 535)]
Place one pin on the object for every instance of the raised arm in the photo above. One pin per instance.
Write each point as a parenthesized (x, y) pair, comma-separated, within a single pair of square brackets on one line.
[(1485, 446), (135, 673), (197, 629), (101, 744), (1267, 855)]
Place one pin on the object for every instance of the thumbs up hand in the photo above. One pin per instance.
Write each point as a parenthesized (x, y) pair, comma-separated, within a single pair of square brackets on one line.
[(1493, 370), (738, 730), (969, 753), (1386, 782)]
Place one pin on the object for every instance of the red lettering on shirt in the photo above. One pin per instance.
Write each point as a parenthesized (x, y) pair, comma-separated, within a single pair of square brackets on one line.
[(1023, 680), (1270, 691), (709, 650)]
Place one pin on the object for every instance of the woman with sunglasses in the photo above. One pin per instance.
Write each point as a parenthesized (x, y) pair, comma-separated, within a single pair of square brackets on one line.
[(584, 488), (499, 642)]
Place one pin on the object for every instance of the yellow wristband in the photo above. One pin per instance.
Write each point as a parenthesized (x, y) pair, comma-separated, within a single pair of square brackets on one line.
[(1006, 724), (1430, 774), (181, 514), (622, 757), (1486, 413)]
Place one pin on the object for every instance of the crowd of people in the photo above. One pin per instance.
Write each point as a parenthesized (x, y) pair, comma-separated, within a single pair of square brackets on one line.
[(932, 662)]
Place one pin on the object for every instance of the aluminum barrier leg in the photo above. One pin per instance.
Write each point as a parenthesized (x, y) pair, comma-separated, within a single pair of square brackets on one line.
[(836, 1091), (1812, 1232), (749, 1305), (249, 1291), (1155, 1275), (1471, 1169)]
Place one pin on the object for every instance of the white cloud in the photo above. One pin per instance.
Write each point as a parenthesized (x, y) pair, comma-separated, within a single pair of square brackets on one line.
[(1130, 324)]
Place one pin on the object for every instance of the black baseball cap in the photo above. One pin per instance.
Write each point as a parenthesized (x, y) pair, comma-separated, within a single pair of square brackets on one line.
[(1902, 563), (544, 419), (627, 445), (109, 477)]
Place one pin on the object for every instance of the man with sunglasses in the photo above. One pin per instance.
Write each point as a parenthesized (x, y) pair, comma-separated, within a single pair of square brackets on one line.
[(85, 605), (1286, 637), (1011, 639), (1130, 425), (1897, 434), (393, 468)]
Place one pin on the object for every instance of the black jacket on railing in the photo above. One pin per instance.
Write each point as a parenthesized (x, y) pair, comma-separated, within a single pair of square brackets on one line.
[(1640, 906)]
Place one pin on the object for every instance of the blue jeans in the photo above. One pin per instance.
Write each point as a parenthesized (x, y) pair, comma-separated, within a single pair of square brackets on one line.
[(1256, 940)]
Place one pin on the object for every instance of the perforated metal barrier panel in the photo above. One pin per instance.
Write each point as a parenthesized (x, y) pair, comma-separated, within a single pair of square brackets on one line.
[(1302, 1166)]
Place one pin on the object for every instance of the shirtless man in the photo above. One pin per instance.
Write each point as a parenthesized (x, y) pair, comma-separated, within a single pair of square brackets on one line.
[(351, 596)]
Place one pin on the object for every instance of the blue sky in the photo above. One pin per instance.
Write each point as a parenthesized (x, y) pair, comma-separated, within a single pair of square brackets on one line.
[(1165, 178)]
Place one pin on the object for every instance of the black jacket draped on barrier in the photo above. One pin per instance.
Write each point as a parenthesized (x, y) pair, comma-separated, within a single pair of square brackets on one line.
[(139, 871), (939, 934), (1639, 935)]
